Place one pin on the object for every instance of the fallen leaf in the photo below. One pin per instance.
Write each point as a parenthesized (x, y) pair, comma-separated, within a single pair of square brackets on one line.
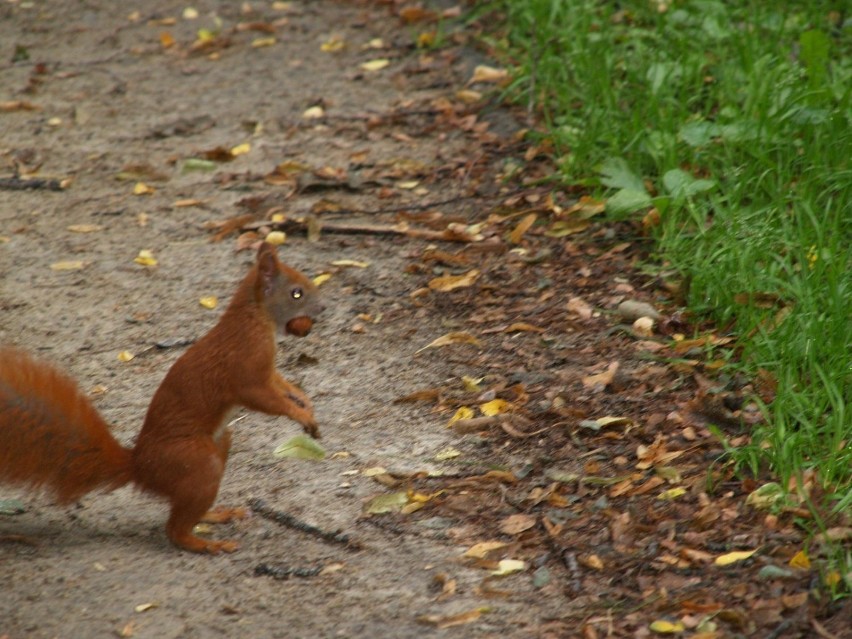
[(388, 503), (375, 65), (125, 356), (140, 188), (579, 307), (483, 548), (495, 407), (733, 557), (209, 301), (69, 265), (453, 620), (276, 238), (300, 447), (672, 493), (321, 279), (263, 42), (84, 228), (492, 75), (523, 226), (145, 258), (354, 263), (602, 379), (241, 149), (509, 566), (663, 627), (471, 384), (449, 282), (464, 412), (515, 524), (458, 337), (313, 113), (447, 453), (800, 560), (523, 327)]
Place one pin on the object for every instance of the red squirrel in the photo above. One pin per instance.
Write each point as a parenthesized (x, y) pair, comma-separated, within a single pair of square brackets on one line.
[(52, 437)]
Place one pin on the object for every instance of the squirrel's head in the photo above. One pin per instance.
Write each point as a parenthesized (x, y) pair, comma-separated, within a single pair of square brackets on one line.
[(290, 298)]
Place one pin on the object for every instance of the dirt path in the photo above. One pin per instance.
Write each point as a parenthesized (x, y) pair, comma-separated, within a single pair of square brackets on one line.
[(125, 99)]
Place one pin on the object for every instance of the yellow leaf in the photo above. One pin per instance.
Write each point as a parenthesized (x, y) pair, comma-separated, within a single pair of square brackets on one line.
[(832, 578), (333, 44), (457, 337), (801, 560), (354, 263), (84, 228), (263, 42), (483, 73), (508, 566), (373, 471), (523, 226), (447, 453), (375, 65), (314, 113), (471, 384), (321, 279), (241, 149), (145, 258), (166, 40), (495, 407), (140, 188), (125, 356), (209, 302), (145, 606), (733, 557), (69, 265), (462, 413), (190, 13), (664, 627), (480, 550), (671, 493), (450, 282), (276, 238)]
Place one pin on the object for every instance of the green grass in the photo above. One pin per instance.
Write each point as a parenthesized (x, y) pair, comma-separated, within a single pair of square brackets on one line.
[(734, 120)]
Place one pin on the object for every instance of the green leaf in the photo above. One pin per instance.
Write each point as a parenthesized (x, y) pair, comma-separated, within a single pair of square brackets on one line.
[(11, 507), (389, 503), (300, 447), (617, 174), (627, 201), (699, 133), (681, 184)]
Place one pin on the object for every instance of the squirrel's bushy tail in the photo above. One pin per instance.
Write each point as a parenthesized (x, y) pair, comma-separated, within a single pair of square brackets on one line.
[(50, 434)]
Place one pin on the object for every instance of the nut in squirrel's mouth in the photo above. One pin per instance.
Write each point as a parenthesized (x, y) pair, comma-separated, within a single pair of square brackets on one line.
[(299, 326)]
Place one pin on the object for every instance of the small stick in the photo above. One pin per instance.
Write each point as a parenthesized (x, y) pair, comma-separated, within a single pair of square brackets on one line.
[(284, 572), (280, 517), (21, 184)]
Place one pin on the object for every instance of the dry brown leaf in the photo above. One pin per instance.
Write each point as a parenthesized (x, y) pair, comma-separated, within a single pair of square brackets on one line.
[(450, 282), (523, 226), (457, 337), (579, 307), (515, 524), (602, 379)]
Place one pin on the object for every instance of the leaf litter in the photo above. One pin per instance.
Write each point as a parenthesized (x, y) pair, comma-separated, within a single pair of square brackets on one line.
[(578, 503)]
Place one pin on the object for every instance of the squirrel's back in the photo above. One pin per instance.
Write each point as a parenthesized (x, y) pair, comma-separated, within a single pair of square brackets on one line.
[(50, 434)]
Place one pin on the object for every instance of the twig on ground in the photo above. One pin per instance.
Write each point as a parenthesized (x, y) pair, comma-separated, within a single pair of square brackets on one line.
[(336, 537)]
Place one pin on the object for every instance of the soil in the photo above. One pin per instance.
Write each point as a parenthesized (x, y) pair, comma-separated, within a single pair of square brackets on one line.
[(106, 109)]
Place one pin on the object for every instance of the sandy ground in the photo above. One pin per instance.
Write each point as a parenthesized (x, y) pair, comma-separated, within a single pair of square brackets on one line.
[(109, 97)]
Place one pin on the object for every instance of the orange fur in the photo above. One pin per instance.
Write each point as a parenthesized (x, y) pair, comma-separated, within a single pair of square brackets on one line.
[(52, 437)]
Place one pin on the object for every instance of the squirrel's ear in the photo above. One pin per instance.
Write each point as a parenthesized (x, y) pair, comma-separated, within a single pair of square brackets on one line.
[(267, 267)]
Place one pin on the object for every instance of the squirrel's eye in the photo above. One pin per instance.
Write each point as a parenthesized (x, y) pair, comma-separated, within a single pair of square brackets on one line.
[(296, 293)]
